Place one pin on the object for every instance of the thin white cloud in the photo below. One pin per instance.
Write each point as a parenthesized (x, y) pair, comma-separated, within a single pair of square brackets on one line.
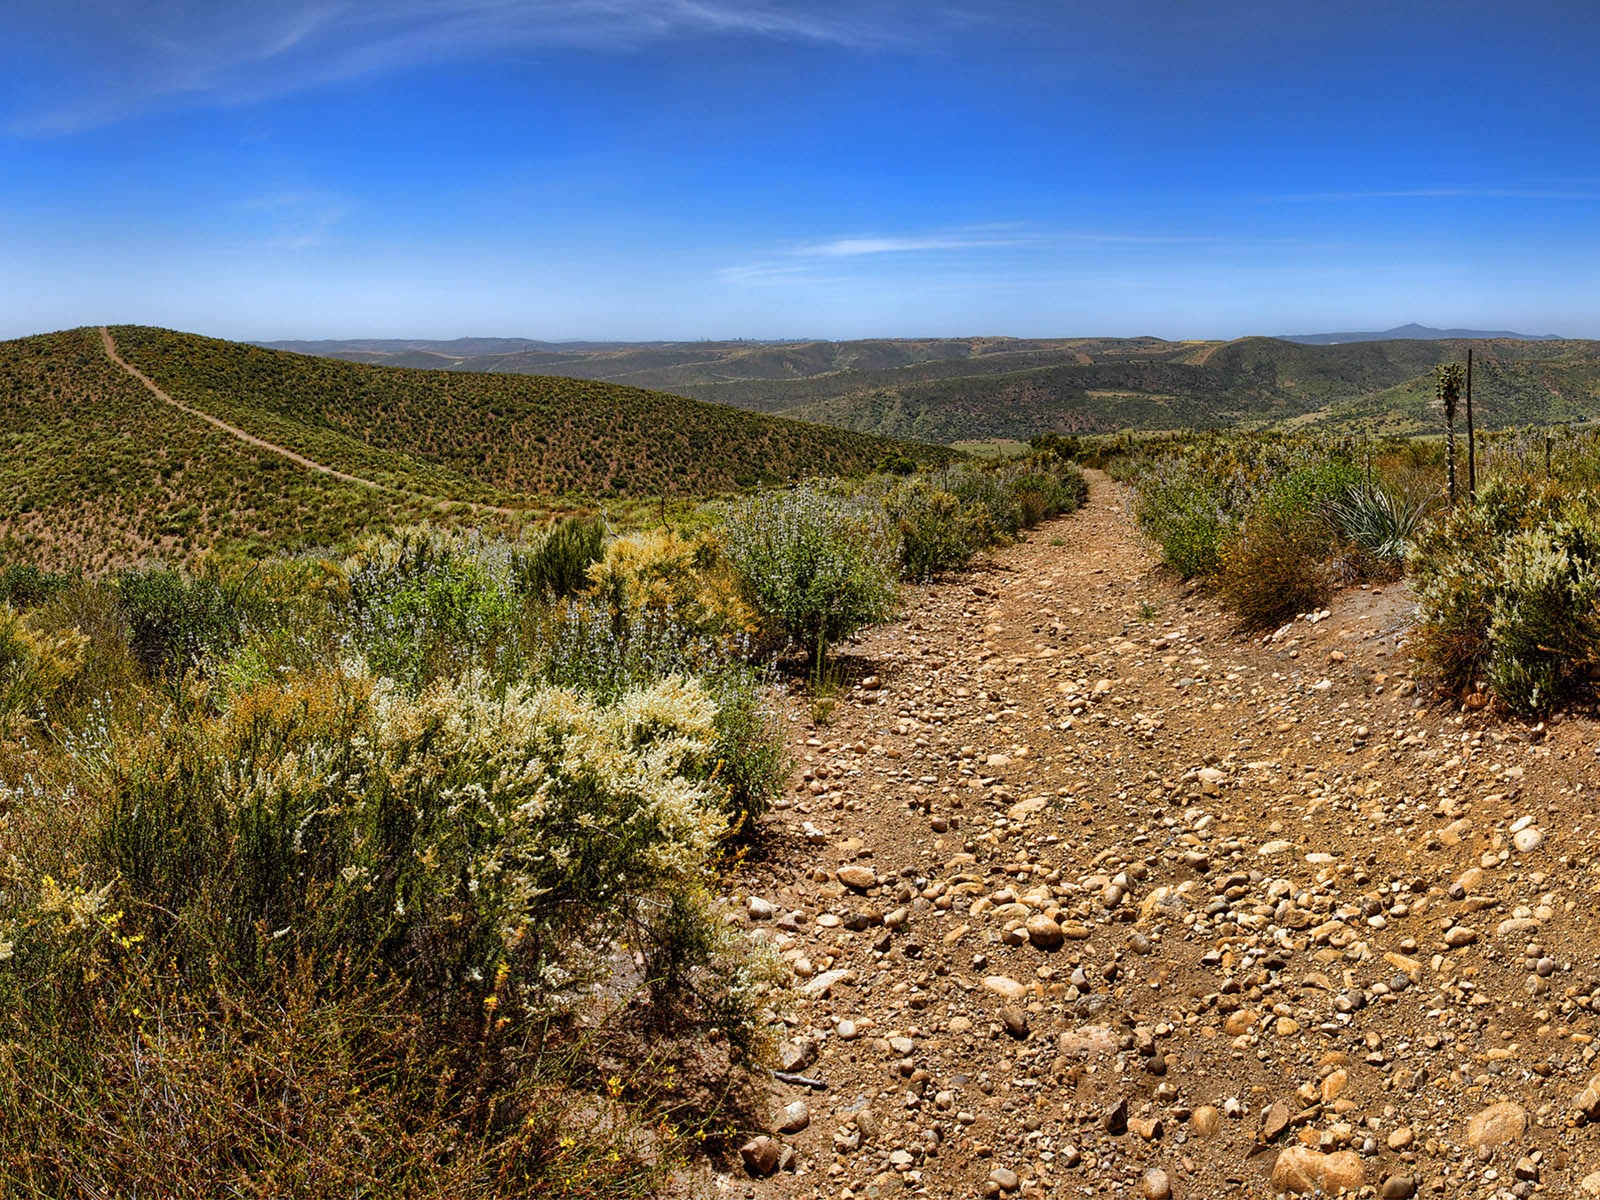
[(128, 59), (763, 273), (855, 247), (983, 256), (800, 264)]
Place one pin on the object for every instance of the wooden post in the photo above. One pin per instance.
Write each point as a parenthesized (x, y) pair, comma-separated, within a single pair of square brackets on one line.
[(1472, 449)]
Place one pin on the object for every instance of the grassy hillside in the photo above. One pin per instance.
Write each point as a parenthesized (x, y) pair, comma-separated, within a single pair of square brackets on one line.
[(95, 471), (961, 389), (489, 437)]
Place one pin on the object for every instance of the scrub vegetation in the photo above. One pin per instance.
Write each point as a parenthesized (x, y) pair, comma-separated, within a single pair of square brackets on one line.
[(1507, 581), (391, 867)]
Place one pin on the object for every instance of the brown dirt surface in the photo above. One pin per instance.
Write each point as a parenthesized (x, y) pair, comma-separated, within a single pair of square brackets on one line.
[(1088, 894)]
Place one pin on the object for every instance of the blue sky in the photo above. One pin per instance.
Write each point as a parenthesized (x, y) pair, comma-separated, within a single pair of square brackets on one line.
[(752, 168)]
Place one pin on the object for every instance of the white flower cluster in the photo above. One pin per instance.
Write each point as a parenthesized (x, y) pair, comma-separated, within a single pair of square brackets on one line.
[(552, 795)]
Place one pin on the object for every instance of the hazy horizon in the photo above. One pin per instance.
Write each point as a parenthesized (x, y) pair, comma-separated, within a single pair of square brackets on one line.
[(652, 170)]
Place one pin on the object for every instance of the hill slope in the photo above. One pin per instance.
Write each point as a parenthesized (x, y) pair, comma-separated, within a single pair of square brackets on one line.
[(486, 436), (97, 470), (94, 472)]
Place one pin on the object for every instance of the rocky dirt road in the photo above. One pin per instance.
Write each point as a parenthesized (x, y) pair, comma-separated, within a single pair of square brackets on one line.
[(1088, 895)]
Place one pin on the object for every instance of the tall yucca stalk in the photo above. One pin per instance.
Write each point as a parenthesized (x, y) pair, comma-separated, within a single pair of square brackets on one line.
[(1449, 383)]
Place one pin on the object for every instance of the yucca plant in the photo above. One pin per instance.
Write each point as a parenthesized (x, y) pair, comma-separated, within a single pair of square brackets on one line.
[(1449, 383), (1379, 521)]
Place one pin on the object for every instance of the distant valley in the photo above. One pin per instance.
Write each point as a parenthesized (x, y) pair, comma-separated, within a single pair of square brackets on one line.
[(959, 389)]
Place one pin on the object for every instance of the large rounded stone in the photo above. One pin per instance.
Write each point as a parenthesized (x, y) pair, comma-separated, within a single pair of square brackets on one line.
[(1044, 933), (1155, 1185), (1303, 1171), (857, 878), (1588, 1101), (1298, 1170), (1342, 1172), (1006, 988), (761, 1155), (794, 1117), (1497, 1125)]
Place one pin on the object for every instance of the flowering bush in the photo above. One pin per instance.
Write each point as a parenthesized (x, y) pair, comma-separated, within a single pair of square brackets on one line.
[(662, 572), (816, 565), (425, 603), (34, 667), (1507, 592), (465, 831)]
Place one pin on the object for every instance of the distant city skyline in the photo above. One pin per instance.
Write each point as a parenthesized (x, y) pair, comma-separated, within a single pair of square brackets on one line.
[(688, 169)]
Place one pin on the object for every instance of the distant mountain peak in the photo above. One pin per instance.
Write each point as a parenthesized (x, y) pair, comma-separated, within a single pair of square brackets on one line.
[(1415, 333)]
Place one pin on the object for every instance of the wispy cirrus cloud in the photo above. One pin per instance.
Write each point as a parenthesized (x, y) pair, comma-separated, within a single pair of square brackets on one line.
[(992, 255), (805, 262), (856, 247), (118, 59), (950, 250)]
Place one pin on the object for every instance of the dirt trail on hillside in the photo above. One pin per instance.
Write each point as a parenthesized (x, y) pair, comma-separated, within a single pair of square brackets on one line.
[(272, 448), (1086, 894)]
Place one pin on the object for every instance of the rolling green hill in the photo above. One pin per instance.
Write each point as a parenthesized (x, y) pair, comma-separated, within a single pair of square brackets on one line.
[(957, 389), (95, 472), (98, 470)]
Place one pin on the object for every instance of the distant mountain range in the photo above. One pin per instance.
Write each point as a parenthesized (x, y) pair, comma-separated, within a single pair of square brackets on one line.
[(1415, 333), (956, 390)]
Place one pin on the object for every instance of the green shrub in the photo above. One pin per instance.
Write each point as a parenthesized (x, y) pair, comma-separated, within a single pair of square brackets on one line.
[(944, 520), (175, 622), (816, 565), (1041, 496), (990, 503), (603, 654), (559, 566), (1506, 592), (378, 911), (1186, 516), (936, 534), (23, 585), (425, 604), (1455, 602), (1309, 491), (34, 668), (751, 764), (1056, 447), (437, 836), (1455, 564), (1544, 629)]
